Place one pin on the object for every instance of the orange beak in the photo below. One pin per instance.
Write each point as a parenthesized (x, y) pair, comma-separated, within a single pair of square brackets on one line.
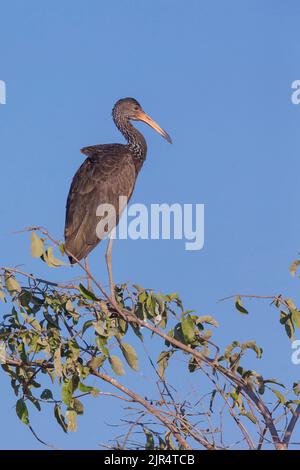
[(142, 116)]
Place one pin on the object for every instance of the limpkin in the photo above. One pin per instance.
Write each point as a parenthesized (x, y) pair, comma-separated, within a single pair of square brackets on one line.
[(109, 172)]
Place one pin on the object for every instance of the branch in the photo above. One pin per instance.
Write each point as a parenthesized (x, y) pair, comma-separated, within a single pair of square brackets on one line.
[(265, 412), (233, 414), (250, 296), (38, 279), (153, 411), (229, 374), (291, 426)]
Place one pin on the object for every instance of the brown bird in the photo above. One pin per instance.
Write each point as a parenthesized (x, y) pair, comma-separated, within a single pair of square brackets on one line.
[(109, 172)]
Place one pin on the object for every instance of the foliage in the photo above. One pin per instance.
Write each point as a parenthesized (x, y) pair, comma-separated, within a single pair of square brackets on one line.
[(67, 334)]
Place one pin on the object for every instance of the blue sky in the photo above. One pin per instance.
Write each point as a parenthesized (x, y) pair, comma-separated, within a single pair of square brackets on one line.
[(217, 76)]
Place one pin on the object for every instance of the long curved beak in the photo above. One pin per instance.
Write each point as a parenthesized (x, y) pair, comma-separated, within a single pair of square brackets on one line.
[(142, 116)]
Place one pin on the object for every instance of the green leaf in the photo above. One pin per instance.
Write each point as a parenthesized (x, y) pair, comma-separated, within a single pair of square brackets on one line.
[(51, 260), (283, 317), (31, 321), (290, 304), (68, 388), (288, 325), (71, 420), (137, 331), (278, 395), (87, 294), (294, 267), (138, 288), (261, 385), (212, 398), (87, 325), (296, 317), (84, 371), (34, 401), (101, 342), (169, 442), (11, 284), (116, 365), (149, 439), (2, 295), (188, 328), (47, 394), (57, 363), (37, 246), (59, 418), (193, 364), (22, 411), (61, 247), (239, 306), (88, 389), (162, 361), (296, 388), (172, 296), (78, 406), (66, 392), (69, 306), (237, 399), (99, 327), (122, 327), (130, 356), (252, 345), (97, 361), (151, 304), (207, 319), (230, 348), (273, 381), (250, 416), (52, 320)]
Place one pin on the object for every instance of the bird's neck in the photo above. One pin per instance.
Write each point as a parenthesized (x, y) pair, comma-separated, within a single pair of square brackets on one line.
[(136, 141)]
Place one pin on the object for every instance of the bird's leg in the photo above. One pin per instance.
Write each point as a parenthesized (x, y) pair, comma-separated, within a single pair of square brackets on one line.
[(109, 268), (87, 269)]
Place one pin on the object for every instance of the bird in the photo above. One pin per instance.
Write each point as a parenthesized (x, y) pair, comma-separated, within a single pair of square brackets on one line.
[(109, 172)]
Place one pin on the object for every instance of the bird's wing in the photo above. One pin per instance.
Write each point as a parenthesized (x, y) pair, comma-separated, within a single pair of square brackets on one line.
[(98, 181), (98, 151)]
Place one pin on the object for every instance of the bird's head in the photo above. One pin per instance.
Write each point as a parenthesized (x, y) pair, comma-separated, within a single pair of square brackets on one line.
[(130, 109)]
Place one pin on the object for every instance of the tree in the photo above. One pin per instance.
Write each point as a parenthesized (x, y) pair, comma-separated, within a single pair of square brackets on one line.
[(67, 333)]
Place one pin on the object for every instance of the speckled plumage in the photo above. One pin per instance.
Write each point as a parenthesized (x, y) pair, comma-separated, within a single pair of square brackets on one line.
[(109, 171)]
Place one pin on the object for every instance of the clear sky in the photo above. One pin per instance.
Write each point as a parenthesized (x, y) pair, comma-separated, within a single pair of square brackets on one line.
[(217, 76)]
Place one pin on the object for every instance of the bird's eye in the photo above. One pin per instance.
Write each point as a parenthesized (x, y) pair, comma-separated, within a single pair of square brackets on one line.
[(136, 108)]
